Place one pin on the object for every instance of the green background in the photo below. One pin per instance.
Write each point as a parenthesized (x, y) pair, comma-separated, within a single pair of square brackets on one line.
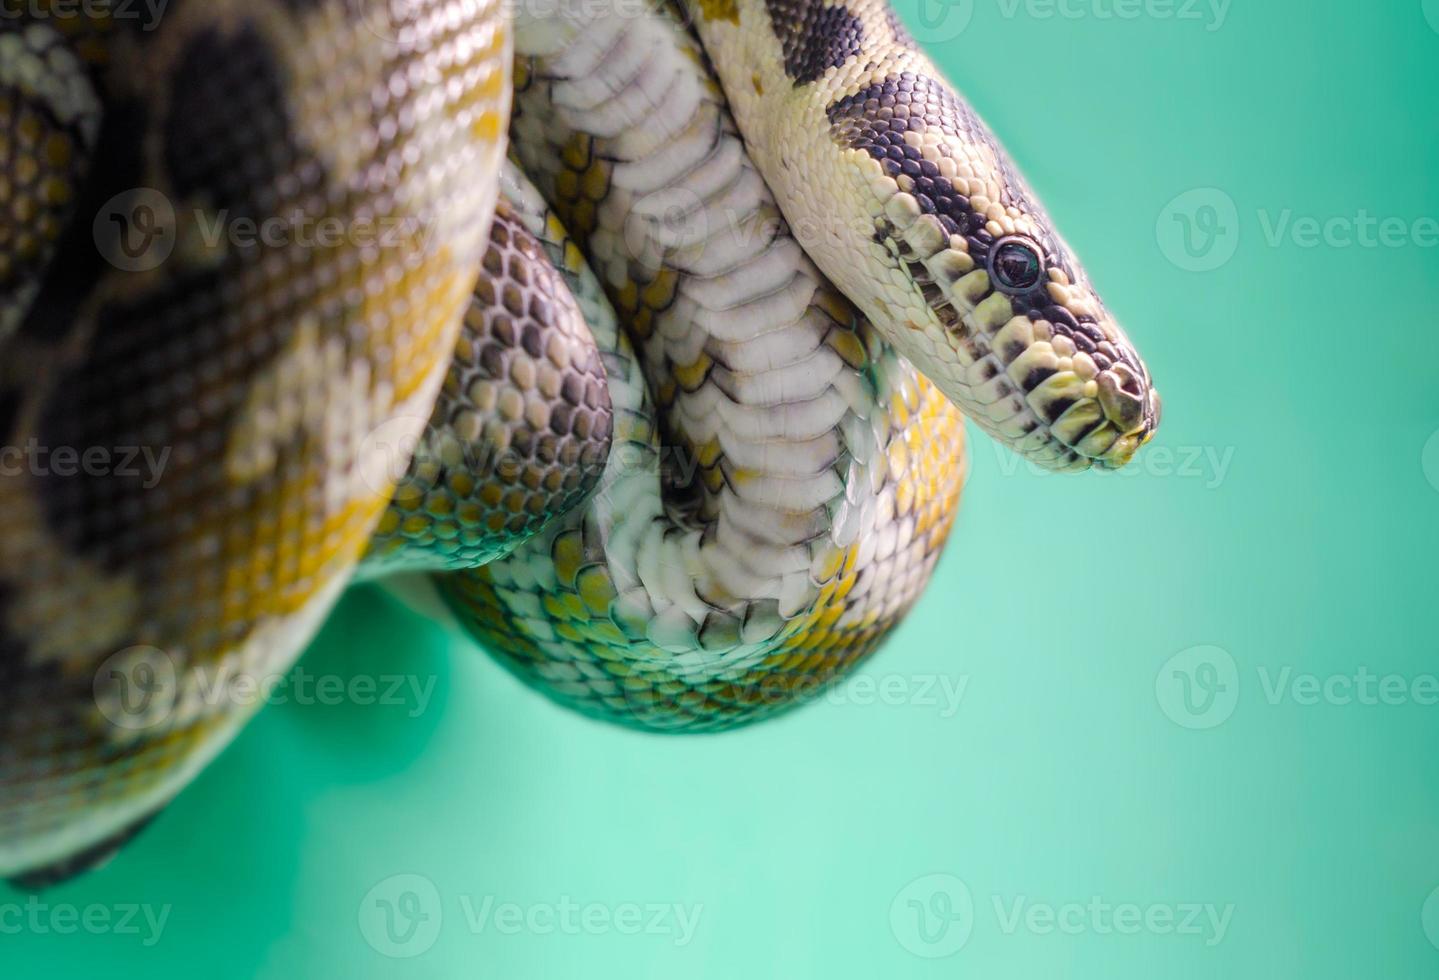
[(1302, 537)]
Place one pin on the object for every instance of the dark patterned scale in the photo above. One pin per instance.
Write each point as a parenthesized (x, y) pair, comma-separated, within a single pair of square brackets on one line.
[(213, 385), (521, 431), (876, 120), (815, 36)]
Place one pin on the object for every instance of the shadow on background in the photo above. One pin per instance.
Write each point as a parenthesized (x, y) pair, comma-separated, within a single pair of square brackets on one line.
[(396, 672), (361, 704)]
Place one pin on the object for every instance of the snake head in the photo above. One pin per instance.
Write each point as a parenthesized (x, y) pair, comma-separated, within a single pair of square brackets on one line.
[(985, 297), (1029, 350)]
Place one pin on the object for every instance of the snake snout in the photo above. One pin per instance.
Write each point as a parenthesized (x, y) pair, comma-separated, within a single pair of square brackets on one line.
[(1132, 406), (1092, 402)]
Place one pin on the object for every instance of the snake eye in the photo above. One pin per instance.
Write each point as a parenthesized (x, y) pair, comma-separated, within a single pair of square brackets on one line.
[(1014, 264)]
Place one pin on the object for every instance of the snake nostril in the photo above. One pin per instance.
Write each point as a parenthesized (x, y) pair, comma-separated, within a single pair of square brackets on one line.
[(1129, 381), (1121, 398)]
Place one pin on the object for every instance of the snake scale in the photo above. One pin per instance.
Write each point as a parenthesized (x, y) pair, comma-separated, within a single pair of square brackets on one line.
[(666, 406)]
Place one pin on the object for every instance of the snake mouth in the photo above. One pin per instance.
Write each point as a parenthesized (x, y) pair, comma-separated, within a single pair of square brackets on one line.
[(1077, 395), (1082, 397)]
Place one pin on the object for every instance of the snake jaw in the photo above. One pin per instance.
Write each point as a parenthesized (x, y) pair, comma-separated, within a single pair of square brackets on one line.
[(1089, 404), (1132, 407)]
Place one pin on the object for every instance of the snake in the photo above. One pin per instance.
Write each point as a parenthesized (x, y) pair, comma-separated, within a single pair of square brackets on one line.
[(642, 335)]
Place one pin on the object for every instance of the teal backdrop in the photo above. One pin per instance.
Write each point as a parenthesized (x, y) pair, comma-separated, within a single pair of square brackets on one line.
[(1181, 722)]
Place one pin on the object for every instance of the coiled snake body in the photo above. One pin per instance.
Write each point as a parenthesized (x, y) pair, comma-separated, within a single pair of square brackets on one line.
[(656, 461)]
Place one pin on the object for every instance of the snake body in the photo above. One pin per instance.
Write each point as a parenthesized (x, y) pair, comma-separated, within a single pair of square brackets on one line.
[(677, 433)]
